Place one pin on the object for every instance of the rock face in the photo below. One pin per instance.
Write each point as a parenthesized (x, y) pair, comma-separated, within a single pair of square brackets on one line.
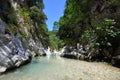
[(18, 41), (79, 53)]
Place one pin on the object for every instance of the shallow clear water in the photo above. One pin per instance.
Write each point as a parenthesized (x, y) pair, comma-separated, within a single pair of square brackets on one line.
[(56, 68)]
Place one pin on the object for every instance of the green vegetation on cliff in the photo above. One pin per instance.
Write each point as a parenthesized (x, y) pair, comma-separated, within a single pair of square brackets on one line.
[(92, 22), (23, 14)]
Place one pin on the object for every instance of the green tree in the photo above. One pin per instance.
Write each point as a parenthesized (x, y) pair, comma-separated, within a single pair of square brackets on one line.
[(56, 25)]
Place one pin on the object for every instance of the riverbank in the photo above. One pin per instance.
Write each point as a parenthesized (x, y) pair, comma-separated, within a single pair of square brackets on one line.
[(73, 55), (86, 53)]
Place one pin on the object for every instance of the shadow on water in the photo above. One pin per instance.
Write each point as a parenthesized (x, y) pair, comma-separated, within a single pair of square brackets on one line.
[(13, 69), (35, 60)]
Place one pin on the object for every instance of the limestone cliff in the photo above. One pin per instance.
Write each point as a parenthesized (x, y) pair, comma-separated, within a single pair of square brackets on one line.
[(20, 36)]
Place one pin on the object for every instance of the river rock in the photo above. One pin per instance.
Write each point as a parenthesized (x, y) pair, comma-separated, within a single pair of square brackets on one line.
[(82, 52), (2, 69), (116, 60)]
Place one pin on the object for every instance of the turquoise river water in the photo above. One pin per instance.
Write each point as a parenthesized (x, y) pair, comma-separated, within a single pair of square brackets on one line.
[(57, 68)]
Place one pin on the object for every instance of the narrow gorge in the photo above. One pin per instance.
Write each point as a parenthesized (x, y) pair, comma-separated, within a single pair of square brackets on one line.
[(83, 45)]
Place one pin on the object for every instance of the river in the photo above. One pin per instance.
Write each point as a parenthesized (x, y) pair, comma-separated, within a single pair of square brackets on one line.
[(57, 68)]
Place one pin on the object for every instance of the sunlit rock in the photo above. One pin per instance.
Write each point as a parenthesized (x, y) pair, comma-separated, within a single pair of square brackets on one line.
[(2, 69)]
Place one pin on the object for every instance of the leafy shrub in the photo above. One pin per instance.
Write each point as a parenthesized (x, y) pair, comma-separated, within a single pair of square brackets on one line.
[(12, 27), (23, 12), (37, 15), (12, 18), (23, 34)]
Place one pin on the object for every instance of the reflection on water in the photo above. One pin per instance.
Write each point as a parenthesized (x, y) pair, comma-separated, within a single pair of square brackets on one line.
[(57, 68)]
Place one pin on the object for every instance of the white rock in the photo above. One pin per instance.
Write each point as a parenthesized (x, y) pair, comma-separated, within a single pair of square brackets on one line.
[(2, 69)]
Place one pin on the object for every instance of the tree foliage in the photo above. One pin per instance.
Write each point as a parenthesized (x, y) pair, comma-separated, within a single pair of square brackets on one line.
[(55, 42), (37, 15), (73, 21)]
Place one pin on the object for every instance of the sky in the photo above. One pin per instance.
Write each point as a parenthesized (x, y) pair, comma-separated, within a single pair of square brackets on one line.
[(54, 10)]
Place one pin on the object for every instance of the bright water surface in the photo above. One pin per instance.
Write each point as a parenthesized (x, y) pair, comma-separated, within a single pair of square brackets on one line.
[(56, 68)]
